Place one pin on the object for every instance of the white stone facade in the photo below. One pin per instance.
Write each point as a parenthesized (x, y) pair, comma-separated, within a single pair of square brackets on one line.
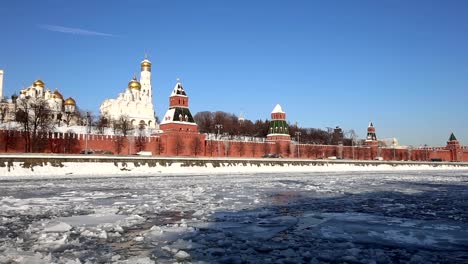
[(54, 99), (136, 102)]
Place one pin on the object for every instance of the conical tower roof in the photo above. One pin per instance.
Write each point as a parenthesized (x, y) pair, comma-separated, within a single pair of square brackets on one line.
[(178, 89), (452, 137), (277, 109)]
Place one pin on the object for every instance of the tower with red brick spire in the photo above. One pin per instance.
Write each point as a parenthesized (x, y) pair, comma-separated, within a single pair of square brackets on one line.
[(371, 138), (178, 116), (278, 126)]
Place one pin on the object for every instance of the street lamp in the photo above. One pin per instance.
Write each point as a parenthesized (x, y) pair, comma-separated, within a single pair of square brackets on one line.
[(298, 136), (86, 135), (218, 127), (425, 147)]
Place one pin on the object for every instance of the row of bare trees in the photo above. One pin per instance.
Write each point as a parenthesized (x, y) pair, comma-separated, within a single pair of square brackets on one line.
[(207, 122)]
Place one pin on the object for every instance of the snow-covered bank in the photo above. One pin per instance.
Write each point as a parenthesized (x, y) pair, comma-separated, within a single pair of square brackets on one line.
[(25, 166)]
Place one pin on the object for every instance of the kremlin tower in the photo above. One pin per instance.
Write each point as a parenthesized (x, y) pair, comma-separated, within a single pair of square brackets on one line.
[(371, 139), (278, 126), (178, 116), (456, 152)]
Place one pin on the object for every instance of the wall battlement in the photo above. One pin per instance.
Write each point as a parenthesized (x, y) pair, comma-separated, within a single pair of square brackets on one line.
[(196, 145)]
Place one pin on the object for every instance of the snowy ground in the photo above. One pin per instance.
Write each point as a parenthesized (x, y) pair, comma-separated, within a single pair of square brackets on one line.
[(314, 217)]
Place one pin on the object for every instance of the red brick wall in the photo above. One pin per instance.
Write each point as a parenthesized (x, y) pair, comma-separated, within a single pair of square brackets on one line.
[(173, 143)]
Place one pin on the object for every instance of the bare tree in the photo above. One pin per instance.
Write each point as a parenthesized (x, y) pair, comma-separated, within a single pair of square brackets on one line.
[(196, 146), (121, 126), (3, 113), (125, 125), (119, 142), (71, 142), (140, 143), (35, 118), (115, 126), (101, 124)]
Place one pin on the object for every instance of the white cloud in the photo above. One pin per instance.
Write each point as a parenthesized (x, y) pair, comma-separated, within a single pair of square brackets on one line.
[(74, 31)]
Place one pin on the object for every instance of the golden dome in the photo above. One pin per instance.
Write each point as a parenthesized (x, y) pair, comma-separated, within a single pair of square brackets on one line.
[(70, 101), (57, 94), (145, 63), (39, 83), (134, 84)]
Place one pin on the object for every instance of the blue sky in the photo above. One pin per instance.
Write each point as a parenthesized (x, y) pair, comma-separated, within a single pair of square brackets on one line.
[(402, 64)]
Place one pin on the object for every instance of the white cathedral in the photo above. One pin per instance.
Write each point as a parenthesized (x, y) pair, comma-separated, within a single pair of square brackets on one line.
[(136, 102)]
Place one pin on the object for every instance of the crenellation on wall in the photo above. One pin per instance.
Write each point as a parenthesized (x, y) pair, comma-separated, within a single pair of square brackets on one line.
[(11, 141)]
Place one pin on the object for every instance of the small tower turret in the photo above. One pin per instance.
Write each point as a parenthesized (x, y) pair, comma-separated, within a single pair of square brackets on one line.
[(371, 138)]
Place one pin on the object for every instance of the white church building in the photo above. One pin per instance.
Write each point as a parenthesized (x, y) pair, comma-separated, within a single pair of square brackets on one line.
[(136, 102)]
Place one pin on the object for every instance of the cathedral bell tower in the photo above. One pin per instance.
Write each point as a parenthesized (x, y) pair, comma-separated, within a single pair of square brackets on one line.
[(145, 81)]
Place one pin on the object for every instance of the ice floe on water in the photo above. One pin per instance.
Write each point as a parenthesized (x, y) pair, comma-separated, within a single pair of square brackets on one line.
[(320, 217)]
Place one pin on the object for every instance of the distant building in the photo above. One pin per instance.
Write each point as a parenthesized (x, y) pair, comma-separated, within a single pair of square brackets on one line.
[(136, 102), (54, 99)]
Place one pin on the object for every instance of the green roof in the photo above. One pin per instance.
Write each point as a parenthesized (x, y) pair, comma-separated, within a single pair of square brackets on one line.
[(179, 111), (279, 127), (452, 137)]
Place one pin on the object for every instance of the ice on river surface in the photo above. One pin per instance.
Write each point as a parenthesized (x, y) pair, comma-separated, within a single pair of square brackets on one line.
[(320, 217)]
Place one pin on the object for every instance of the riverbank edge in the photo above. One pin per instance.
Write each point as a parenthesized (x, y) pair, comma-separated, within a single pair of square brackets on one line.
[(25, 165)]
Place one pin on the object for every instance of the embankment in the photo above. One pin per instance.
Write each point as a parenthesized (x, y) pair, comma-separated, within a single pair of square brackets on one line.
[(34, 165)]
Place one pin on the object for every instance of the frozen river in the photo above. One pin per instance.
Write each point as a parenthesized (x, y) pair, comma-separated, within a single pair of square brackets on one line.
[(320, 217)]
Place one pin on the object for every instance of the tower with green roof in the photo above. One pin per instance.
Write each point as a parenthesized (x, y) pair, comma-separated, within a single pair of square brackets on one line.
[(456, 152), (278, 130)]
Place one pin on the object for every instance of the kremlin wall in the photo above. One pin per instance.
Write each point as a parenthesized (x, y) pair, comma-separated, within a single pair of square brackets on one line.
[(178, 135)]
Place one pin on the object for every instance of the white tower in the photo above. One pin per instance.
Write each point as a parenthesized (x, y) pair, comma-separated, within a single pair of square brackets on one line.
[(1, 84), (145, 80)]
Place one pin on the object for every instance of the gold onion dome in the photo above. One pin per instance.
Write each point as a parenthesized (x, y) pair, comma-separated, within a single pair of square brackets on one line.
[(39, 82), (57, 94), (70, 101), (134, 84), (145, 63)]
